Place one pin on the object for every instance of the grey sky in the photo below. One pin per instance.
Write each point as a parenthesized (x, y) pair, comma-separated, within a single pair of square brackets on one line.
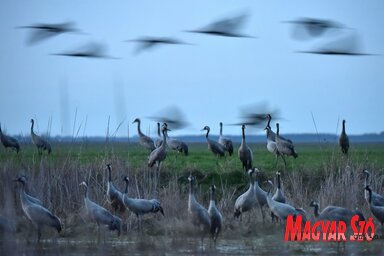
[(209, 80)]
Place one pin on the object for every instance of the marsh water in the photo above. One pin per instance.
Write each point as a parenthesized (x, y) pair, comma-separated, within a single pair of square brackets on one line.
[(245, 244)]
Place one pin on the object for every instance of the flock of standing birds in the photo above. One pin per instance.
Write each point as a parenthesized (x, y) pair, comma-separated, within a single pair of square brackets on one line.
[(207, 221)]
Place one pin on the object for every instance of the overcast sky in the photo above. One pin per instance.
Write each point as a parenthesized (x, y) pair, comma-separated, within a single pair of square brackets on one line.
[(209, 80)]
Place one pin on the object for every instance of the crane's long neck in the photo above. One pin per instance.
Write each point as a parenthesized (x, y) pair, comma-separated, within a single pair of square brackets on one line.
[(277, 132), (243, 134), (278, 181), (138, 127), (369, 195), (164, 138), (343, 131), (158, 130), (316, 209), (206, 135), (366, 184), (32, 127), (269, 122), (212, 199), (109, 173), (86, 192), (23, 194), (221, 129), (126, 187)]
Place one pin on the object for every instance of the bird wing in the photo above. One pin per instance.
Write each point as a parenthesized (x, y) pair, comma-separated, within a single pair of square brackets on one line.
[(41, 215)]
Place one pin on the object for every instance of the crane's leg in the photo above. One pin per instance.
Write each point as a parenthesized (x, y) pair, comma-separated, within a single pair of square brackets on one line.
[(262, 213), (38, 234), (285, 163)]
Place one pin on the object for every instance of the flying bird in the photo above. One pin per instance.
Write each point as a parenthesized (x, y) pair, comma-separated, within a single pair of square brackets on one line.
[(309, 28), (90, 50), (172, 116), (43, 31), (147, 42), (348, 44), (227, 27)]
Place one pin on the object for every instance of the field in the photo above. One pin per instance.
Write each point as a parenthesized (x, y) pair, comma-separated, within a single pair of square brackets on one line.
[(320, 173)]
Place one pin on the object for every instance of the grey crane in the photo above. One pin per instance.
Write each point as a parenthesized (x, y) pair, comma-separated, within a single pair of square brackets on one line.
[(39, 142), (261, 195), (216, 148), (9, 142), (377, 199), (285, 147), (282, 210), (145, 141), (99, 214), (140, 206), (227, 27), (176, 144), (279, 195), (344, 140), (114, 196), (377, 210), (36, 213), (43, 31), (271, 139), (159, 154), (336, 213), (147, 43), (198, 215), (245, 152), (227, 143), (91, 50), (215, 215), (158, 141), (246, 201)]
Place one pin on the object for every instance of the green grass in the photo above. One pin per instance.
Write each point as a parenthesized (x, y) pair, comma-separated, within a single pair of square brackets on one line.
[(311, 156)]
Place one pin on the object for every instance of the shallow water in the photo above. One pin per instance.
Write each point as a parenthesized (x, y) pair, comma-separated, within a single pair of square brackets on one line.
[(272, 244)]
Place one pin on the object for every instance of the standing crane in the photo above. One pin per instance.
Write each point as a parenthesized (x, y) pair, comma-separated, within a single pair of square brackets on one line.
[(9, 142), (285, 147), (114, 196), (36, 213), (140, 206), (39, 142), (198, 215), (145, 141), (282, 210), (159, 154), (227, 143), (279, 195), (246, 201), (99, 214), (344, 140), (334, 213), (176, 144), (245, 152), (214, 213), (216, 148)]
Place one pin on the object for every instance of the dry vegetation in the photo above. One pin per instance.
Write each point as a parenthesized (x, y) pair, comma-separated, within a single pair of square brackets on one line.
[(55, 180)]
